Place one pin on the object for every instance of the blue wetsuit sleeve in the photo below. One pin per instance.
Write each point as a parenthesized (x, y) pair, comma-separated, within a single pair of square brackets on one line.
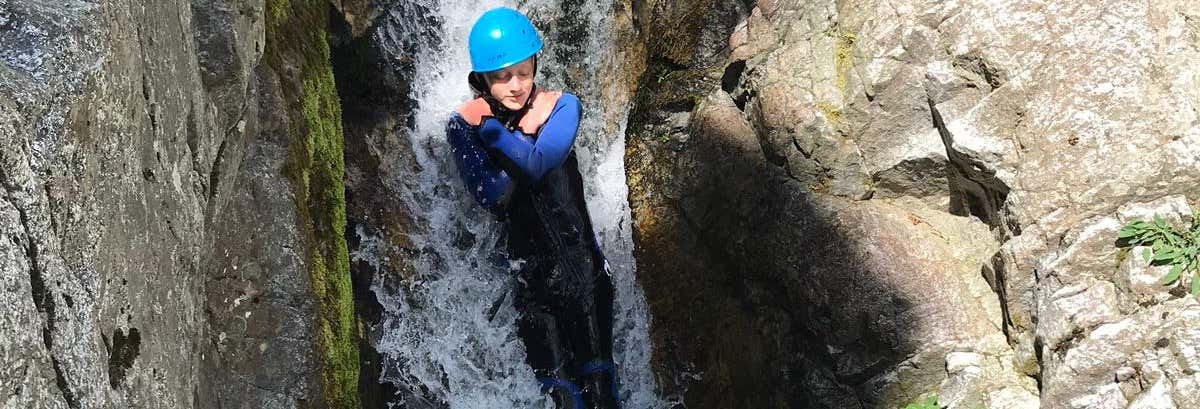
[(488, 184), (549, 151)]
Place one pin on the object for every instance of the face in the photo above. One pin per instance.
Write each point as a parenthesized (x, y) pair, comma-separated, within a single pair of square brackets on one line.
[(511, 86)]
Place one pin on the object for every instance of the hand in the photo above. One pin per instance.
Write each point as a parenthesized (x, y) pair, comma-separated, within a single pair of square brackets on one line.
[(491, 131), (539, 111)]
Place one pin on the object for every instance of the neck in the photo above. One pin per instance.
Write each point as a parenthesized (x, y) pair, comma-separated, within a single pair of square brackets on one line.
[(508, 116)]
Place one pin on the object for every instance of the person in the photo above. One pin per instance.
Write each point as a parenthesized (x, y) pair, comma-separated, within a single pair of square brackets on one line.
[(513, 146)]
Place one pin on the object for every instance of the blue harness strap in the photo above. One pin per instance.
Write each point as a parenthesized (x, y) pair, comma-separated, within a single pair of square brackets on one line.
[(571, 388)]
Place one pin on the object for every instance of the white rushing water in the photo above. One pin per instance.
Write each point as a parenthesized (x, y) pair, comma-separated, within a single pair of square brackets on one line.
[(439, 345)]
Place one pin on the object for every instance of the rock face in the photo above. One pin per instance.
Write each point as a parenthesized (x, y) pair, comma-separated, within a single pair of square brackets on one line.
[(376, 113), (171, 207), (887, 199), (109, 151)]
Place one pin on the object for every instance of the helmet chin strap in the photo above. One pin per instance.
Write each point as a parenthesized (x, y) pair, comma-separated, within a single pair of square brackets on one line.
[(510, 118)]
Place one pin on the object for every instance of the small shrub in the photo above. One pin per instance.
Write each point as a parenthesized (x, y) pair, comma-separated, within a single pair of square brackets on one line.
[(1167, 246)]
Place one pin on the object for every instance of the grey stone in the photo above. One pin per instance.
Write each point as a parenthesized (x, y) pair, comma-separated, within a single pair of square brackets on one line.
[(1157, 397), (257, 282), (1107, 397), (961, 361), (230, 38), (124, 126), (1142, 281), (1125, 373), (1053, 124)]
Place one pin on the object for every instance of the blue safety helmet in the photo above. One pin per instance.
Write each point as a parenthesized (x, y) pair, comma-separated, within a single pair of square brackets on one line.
[(500, 38)]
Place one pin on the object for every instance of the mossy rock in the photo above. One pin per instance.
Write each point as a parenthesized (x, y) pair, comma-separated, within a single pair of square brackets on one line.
[(298, 52)]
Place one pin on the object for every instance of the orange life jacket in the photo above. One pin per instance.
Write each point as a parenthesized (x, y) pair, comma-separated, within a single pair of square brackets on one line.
[(540, 105)]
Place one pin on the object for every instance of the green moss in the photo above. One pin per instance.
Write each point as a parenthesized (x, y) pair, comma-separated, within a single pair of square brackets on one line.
[(669, 88), (298, 53), (278, 11), (926, 402), (675, 30), (323, 178), (1121, 256), (820, 185), (844, 59), (832, 113), (664, 137)]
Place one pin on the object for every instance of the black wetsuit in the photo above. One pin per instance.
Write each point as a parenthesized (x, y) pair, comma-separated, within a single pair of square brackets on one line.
[(563, 291)]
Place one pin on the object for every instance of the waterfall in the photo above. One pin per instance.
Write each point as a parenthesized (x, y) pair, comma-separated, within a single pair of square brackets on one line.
[(440, 347)]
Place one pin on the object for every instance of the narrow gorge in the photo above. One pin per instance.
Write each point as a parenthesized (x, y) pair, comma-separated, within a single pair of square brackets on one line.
[(804, 204)]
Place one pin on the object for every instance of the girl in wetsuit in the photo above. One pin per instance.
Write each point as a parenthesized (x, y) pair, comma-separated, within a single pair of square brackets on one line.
[(512, 143)]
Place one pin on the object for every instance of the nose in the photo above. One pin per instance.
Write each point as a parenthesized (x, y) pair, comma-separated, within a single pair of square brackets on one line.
[(514, 84)]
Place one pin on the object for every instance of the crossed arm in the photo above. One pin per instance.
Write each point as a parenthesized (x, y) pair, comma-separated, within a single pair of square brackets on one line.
[(489, 184), (548, 151)]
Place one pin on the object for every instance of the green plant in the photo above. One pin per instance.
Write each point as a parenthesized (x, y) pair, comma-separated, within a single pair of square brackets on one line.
[(1167, 246), (929, 402)]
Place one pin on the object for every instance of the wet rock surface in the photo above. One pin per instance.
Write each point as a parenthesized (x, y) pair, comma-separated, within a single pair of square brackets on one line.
[(1046, 127), (154, 253), (256, 286), (108, 161), (377, 112)]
